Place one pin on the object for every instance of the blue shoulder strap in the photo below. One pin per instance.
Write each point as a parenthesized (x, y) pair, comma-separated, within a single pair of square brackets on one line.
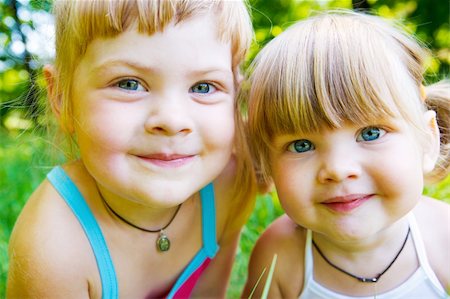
[(70, 193), (209, 220), (210, 246)]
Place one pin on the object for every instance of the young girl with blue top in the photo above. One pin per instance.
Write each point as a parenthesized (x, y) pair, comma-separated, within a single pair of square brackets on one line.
[(153, 204)]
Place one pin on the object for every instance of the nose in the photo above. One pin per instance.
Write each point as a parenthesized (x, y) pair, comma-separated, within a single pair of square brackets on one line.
[(338, 165), (169, 116)]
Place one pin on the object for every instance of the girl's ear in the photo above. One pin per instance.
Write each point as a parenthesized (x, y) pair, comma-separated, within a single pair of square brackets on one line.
[(432, 146), (54, 97)]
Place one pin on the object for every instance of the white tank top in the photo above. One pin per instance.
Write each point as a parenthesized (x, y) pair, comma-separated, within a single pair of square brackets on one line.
[(422, 284)]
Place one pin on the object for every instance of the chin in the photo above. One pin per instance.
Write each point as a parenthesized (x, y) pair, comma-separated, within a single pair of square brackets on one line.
[(171, 193)]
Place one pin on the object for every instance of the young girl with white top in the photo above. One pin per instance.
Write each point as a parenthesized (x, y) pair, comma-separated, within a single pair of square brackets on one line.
[(343, 125)]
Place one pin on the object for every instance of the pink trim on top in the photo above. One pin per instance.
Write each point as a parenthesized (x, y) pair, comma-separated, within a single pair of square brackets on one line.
[(186, 289)]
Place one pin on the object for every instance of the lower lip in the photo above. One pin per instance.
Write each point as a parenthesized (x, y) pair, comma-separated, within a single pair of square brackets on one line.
[(175, 163), (344, 207)]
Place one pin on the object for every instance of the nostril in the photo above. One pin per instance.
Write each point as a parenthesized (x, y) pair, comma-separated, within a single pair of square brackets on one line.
[(167, 131), (158, 129), (185, 131), (353, 176)]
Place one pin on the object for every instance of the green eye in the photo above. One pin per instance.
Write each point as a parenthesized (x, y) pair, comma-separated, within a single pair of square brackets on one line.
[(301, 146)]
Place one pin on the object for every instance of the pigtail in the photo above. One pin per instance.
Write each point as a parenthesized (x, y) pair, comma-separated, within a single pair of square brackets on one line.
[(437, 98)]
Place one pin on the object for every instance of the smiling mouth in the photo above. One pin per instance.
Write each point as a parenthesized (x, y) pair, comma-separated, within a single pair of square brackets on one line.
[(347, 203), (168, 161)]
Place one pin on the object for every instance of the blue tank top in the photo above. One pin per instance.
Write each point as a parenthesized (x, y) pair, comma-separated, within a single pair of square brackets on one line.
[(185, 282)]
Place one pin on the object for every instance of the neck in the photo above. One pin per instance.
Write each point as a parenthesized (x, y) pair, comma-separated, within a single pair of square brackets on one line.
[(368, 262), (365, 257), (382, 241), (134, 212)]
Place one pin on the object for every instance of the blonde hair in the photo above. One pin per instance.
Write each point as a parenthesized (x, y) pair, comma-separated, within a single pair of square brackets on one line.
[(335, 67), (79, 22)]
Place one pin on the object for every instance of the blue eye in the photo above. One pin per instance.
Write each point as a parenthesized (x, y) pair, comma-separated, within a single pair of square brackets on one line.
[(130, 84), (202, 88), (301, 146), (370, 134)]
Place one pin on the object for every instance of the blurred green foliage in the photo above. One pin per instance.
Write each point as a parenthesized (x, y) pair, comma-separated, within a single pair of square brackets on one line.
[(428, 20), (21, 50)]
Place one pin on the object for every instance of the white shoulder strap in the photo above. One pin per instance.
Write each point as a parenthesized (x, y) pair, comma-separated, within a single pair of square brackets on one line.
[(421, 253)]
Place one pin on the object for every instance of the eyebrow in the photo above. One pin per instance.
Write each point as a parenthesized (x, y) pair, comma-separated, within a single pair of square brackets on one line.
[(120, 63), (104, 68), (111, 64)]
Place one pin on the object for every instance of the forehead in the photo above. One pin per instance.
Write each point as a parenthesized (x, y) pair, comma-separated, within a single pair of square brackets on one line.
[(192, 44)]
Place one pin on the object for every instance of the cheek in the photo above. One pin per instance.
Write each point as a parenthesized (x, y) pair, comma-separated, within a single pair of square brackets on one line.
[(218, 129), (293, 186), (402, 175), (100, 134)]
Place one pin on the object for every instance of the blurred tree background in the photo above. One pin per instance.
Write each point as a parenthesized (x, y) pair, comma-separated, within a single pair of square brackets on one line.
[(26, 43), (428, 20)]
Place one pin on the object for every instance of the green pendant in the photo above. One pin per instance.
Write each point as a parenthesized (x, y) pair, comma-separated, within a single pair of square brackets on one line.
[(163, 243)]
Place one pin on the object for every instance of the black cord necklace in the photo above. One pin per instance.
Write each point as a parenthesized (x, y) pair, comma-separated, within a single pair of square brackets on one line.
[(163, 242), (364, 279)]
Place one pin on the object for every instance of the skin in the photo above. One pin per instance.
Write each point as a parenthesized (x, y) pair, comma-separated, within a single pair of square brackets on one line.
[(153, 117), (353, 187)]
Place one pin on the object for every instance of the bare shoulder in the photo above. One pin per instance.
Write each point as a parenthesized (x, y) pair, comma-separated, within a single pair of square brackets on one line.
[(45, 250), (433, 218), (286, 240)]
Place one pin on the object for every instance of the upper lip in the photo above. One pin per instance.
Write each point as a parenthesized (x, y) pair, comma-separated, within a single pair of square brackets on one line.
[(345, 198), (165, 157)]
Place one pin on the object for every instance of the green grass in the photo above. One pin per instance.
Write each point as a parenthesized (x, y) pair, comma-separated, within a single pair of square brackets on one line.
[(24, 165), (267, 208)]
